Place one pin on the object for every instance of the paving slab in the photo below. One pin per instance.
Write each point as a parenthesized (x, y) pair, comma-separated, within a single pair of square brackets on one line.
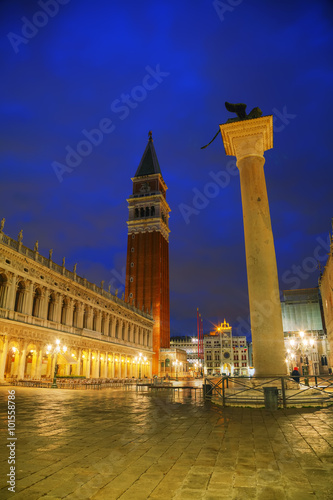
[(115, 444)]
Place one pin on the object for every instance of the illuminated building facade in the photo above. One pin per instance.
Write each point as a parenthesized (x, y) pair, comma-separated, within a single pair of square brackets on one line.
[(304, 333), (42, 302), (225, 354)]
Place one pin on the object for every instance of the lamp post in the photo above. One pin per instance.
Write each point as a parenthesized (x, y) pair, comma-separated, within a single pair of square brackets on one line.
[(55, 350)]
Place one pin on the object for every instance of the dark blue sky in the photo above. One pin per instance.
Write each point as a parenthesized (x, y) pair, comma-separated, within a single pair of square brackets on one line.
[(166, 66)]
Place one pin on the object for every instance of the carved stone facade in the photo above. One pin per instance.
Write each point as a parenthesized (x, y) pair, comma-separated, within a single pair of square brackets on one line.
[(41, 302)]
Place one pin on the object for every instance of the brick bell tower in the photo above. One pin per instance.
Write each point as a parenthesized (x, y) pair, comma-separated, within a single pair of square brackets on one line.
[(147, 266)]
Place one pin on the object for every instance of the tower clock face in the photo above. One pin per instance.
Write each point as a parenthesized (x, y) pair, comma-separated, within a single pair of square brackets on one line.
[(145, 188), (226, 355)]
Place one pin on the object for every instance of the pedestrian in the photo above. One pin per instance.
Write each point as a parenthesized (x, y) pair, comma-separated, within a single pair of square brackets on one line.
[(295, 374)]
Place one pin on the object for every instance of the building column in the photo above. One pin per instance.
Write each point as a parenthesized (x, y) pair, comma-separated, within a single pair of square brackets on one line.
[(78, 366), (12, 292), (88, 365), (3, 358), (39, 364), (248, 140), (23, 358), (27, 306), (33, 365), (112, 365)]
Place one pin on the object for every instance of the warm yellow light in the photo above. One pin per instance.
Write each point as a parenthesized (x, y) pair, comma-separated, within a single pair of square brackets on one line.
[(64, 348), (292, 342), (83, 356), (92, 357), (116, 359), (305, 342), (49, 347), (312, 342), (57, 341), (102, 359), (73, 355), (301, 334), (109, 359)]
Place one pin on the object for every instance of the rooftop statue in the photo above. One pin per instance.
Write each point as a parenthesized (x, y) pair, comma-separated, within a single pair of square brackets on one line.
[(239, 109)]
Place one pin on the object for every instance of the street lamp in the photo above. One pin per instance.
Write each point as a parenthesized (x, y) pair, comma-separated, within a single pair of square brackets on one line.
[(55, 350)]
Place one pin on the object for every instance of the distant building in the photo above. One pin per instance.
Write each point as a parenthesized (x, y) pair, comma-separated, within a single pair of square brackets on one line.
[(225, 354), (174, 363), (326, 289), (305, 337)]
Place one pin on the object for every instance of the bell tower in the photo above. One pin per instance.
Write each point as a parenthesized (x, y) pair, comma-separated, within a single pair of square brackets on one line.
[(147, 266)]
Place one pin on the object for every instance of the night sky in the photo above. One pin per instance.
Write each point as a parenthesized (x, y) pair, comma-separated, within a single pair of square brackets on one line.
[(129, 67)]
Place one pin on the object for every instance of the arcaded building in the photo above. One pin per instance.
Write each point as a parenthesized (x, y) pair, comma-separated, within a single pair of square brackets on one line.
[(43, 304)]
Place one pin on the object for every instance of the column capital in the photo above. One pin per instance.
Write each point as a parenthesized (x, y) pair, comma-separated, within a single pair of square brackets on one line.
[(248, 137)]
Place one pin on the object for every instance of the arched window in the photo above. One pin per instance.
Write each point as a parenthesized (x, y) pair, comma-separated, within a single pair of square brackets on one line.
[(152, 211), (50, 307), (19, 298), (94, 321), (136, 213), (75, 315), (123, 332), (36, 303), (3, 290), (147, 211), (110, 327), (117, 330), (103, 323), (142, 212), (64, 307), (85, 318)]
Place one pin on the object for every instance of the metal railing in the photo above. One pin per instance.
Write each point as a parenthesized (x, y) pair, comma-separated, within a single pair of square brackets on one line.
[(249, 391)]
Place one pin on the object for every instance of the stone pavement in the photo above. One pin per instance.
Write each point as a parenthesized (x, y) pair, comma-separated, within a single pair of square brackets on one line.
[(127, 445)]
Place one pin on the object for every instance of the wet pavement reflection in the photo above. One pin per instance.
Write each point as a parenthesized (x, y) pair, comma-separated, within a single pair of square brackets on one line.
[(128, 444)]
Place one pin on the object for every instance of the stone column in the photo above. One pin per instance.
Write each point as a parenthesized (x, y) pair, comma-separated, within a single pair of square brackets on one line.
[(248, 140), (23, 358), (39, 364), (3, 358)]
